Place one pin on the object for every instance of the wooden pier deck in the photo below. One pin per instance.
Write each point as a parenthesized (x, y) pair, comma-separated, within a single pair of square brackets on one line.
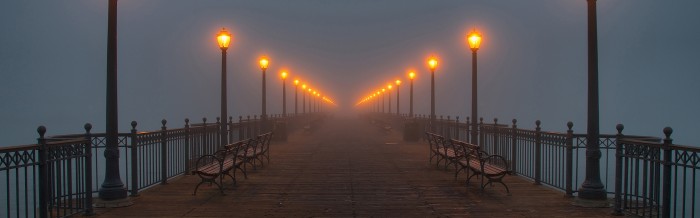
[(348, 168)]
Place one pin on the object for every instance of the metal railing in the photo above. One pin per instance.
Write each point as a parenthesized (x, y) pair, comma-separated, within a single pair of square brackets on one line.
[(65, 169), (646, 177)]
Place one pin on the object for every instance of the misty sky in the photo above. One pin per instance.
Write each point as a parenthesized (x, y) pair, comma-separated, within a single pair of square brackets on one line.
[(532, 63)]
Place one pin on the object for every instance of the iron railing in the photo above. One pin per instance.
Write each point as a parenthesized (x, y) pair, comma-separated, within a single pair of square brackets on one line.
[(64, 168)]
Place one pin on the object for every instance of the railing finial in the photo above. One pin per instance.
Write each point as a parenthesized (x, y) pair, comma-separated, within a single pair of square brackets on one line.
[(187, 121), (87, 127), (163, 122), (570, 125), (668, 131), (619, 127), (515, 121), (495, 121), (538, 123), (204, 119), (41, 130)]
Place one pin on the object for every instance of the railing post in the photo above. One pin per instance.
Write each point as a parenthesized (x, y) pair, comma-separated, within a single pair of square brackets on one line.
[(666, 191), (469, 129), (514, 147), (88, 171), (240, 128), (204, 146), (569, 158), (230, 129), (164, 153), (617, 210), (187, 146), (444, 125), (218, 134), (43, 174), (456, 128), (538, 155), (480, 132), (249, 129), (134, 160), (495, 137)]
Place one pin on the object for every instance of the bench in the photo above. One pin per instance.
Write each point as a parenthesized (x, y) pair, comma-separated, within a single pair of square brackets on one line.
[(257, 150), (225, 161), (472, 159), (442, 150)]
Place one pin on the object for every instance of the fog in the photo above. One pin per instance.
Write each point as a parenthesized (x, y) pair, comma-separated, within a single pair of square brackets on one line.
[(532, 62)]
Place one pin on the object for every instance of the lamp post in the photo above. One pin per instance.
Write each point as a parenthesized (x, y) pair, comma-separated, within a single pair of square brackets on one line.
[(303, 98), (411, 75), (592, 188), (310, 92), (263, 65), (433, 64), (284, 93), (296, 97), (383, 98), (112, 188), (388, 87), (224, 38), (474, 40), (398, 83)]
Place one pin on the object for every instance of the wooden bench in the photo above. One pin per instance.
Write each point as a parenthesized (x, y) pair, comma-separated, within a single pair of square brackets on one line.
[(225, 161), (473, 159), (442, 150)]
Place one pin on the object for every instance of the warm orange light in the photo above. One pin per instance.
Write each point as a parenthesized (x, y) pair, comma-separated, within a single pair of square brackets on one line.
[(224, 38), (398, 82), (433, 63), (383, 90), (412, 75), (296, 82), (263, 63), (303, 87), (474, 40), (283, 74), (389, 86)]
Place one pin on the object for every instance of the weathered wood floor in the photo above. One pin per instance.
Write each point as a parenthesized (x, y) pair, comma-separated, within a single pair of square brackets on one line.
[(349, 168)]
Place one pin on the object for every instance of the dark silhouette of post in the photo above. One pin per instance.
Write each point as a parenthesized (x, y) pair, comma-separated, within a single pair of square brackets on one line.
[(389, 102), (433, 63), (224, 38), (303, 98), (263, 65), (296, 97), (112, 187), (411, 75), (474, 40), (592, 188), (284, 94), (383, 99), (398, 83)]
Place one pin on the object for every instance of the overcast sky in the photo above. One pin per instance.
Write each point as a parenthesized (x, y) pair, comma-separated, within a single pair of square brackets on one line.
[(532, 63)]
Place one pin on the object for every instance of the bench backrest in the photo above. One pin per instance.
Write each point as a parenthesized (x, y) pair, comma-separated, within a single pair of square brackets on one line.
[(468, 149)]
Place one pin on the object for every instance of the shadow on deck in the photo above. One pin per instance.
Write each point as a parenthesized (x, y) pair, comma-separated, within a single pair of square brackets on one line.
[(349, 168)]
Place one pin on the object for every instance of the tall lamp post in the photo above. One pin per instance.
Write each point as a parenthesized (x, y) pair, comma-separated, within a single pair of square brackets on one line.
[(411, 75), (224, 38), (592, 188), (433, 64), (303, 98), (296, 97), (474, 40), (112, 187), (263, 65), (388, 87), (398, 83), (383, 99), (284, 93)]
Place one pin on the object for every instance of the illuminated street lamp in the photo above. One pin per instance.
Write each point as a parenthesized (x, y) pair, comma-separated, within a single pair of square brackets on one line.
[(296, 92), (433, 64), (412, 76), (383, 98), (398, 83), (284, 93), (474, 40), (263, 65), (388, 87), (303, 98), (224, 39)]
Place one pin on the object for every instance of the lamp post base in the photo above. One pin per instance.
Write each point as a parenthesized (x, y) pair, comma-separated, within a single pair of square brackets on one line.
[(601, 203), (112, 193), (124, 202)]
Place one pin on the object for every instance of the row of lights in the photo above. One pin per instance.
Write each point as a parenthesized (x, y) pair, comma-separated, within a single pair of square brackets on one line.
[(224, 40), (473, 39)]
